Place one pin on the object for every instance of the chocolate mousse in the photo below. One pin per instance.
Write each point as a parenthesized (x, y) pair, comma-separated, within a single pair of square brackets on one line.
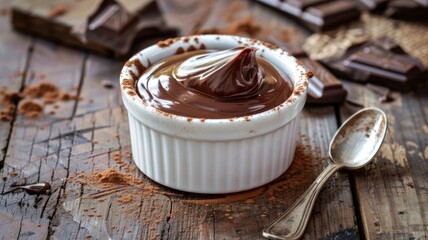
[(214, 84)]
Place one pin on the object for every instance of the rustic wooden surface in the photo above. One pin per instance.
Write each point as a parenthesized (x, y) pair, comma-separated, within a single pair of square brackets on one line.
[(392, 192), (387, 199)]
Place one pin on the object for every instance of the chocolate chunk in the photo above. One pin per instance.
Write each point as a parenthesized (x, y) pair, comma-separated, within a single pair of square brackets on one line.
[(407, 9), (318, 15), (383, 92), (324, 87), (35, 188), (330, 14), (380, 62), (109, 27), (389, 45), (373, 5), (298, 6), (113, 26), (112, 19), (303, 4)]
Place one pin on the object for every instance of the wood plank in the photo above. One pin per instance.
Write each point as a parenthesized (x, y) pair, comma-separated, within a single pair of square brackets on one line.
[(58, 20), (85, 136), (101, 79), (176, 215), (335, 220), (392, 191), (30, 157), (12, 68), (59, 144), (193, 215)]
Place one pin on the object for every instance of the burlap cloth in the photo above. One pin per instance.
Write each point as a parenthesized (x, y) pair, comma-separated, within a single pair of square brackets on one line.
[(411, 36)]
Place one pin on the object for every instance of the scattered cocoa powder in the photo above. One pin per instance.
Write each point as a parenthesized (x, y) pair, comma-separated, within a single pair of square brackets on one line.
[(41, 90), (48, 93), (68, 97), (30, 109), (4, 11), (166, 42), (284, 35), (246, 26), (229, 13), (10, 99), (57, 11), (111, 176), (125, 198)]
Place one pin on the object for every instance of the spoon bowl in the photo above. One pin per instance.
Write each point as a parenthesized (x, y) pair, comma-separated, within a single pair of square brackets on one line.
[(359, 138), (353, 146)]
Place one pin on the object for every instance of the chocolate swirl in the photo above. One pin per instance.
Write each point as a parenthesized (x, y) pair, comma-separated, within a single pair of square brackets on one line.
[(214, 84), (230, 73)]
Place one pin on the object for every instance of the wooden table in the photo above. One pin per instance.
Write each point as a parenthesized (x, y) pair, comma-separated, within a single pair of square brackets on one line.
[(388, 199)]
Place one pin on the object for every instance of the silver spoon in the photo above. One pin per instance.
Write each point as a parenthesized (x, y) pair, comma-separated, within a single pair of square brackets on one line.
[(353, 146)]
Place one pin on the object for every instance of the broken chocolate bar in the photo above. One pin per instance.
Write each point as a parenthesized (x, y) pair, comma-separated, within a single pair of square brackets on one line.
[(407, 9), (380, 62), (324, 88), (318, 15), (112, 19), (106, 27), (111, 25), (373, 5)]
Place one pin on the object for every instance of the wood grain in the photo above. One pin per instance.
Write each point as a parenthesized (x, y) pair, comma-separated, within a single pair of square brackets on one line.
[(334, 213), (84, 137), (392, 191), (34, 149), (13, 66)]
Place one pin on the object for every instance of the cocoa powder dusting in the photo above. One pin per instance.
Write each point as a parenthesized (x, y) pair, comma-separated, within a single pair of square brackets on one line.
[(111, 176), (125, 198), (34, 99), (10, 99), (57, 11), (228, 13), (285, 35), (179, 50), (135, 62), (246, 26), (166, 42), (30, 109), (4, 11)]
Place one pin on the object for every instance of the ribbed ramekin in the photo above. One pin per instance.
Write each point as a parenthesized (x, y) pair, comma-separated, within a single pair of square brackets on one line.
[(212, 155)]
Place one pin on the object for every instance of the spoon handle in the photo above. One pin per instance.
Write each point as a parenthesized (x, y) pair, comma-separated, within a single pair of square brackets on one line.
[(292, 224)]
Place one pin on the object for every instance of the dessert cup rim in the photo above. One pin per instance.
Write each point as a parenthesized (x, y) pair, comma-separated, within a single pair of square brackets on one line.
[(298, 94), (213, 129)]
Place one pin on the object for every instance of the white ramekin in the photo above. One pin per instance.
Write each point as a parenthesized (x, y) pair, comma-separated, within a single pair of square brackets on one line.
[(213, 155)]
